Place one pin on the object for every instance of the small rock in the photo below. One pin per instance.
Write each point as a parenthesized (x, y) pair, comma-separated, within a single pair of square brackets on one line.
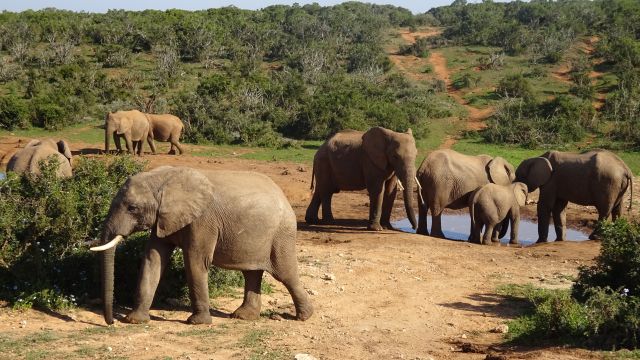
[(470, 348), (312, 292), (305, 357), (463, 336), (328, 276), (23, 324), (109, 349), (302, 169), (495, 357), (285, 172), (500, 329), (146, 349)]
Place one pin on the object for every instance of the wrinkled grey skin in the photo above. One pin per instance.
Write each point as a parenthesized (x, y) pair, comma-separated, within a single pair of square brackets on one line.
[(231, 219), (493, 207), (28, 158), (131, 125), (165, 127), (598, 178), (373, 160), (448, 178)]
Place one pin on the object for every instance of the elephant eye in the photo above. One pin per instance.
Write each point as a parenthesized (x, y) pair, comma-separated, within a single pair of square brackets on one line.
[(132, 208)]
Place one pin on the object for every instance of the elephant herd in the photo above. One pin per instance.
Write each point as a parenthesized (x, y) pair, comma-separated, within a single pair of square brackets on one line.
[(382, 160), (243, 221), (132, 125)]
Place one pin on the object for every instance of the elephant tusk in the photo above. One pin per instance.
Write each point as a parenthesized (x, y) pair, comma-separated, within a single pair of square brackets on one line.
[(400, 185), (419, 190), (108, 245)]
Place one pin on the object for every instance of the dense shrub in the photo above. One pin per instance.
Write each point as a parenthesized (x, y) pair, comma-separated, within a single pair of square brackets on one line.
[(114, 55), (13, 112), (420, 48), (44, 223), (603, 309), (515, 85)]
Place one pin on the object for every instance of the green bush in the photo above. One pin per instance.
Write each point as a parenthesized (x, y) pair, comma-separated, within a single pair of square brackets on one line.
[(13, 112), (603, 308), (114, 55), (420, 48), (515, 85)]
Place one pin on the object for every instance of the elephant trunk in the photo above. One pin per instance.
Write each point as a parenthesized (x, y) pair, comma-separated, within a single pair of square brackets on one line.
[(407, 179), (108, 257)]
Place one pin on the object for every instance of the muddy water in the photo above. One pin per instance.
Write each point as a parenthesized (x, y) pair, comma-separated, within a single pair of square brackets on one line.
[(456, 227)]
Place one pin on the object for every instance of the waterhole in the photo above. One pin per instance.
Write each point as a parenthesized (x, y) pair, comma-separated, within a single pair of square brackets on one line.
[(3, 176), (456, 227)]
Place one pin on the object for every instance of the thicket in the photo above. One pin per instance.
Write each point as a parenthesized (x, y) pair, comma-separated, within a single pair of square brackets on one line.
[(603, 308), (45, 223), (233, 75)]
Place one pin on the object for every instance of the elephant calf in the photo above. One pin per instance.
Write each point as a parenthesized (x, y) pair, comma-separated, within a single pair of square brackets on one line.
[(165, 127), (131, 125), (494, 207), (28, 159), (236, 220)]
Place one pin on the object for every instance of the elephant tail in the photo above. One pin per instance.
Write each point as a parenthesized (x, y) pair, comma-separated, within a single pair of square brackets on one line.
[(630, 179), (313, 176)]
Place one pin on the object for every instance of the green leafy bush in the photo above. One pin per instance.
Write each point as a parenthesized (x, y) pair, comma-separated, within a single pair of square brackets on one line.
[(420, 48), (603, 308), (114, 55), (515, 85), (13, 112)]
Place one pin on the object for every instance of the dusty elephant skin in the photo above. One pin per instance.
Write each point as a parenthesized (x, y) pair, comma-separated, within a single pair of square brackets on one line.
[(494, 207), (598, 178), (232, 219), (374, 160), (165, 127), (131, 125), (448, 178), (27, 160)]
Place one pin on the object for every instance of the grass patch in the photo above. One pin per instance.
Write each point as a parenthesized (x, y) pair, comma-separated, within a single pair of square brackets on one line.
[(200, 332), (254, 341)]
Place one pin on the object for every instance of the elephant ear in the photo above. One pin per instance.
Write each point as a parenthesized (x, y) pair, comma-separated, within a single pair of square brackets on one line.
[(539, 173), (124, 125), (520, 191), (374, 143), (499, 171), (184, 196), (64, 149)]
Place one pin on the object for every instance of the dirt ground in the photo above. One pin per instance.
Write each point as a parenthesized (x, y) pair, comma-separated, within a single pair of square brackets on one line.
[(385, 295)]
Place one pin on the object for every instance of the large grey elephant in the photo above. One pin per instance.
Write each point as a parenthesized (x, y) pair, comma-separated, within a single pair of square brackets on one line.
[(132, 125), (493, 207), (165, 127), (374, 160), (448, 178), (598, 178), (232, 219), (28, 158)]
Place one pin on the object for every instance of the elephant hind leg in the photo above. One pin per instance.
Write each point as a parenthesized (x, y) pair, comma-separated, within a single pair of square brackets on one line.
[(250, 308), (311, 217), (390, 192), (422, 219)]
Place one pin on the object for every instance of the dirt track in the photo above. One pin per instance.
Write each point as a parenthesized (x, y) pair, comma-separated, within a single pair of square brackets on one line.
[(394, 295)]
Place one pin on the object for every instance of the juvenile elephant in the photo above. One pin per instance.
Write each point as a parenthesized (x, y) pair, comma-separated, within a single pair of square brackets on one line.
[(494, 207), (28, 158), (132, 125), (165, 127), (232, 219), (598, 178), (448, 178), (374, 160)]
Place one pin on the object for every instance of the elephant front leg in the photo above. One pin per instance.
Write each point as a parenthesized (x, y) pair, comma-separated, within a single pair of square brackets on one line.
[(544, 214), (560, 219), (250, 308), (390, 192), (129, 142), (488, 234), (197, 270), (376, 190), (422, 220), (152, 144), (157, 256), (515, 225), (116, 141)]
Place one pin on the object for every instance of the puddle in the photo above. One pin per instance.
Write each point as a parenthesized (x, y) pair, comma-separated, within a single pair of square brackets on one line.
[(456, 227), (4, 176)]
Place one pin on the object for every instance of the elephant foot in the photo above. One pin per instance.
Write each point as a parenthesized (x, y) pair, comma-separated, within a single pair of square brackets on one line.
[(388, 226), (563, 239), (438, 235), (304, 312), (422, 231), (199, 318), (542, 241), (137, 317), (375, 227), (246, 313), (312, 221)]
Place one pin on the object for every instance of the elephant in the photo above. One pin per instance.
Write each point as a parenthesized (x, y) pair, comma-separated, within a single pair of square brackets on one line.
[(165, 127), (132, 125), (597, 177), (494, 207), (447, 179), (375, 160), (28, 158), (236, 220)]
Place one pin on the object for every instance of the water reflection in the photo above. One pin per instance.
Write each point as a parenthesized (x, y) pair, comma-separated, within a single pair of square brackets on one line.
[(3, 176), (456, 227)]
